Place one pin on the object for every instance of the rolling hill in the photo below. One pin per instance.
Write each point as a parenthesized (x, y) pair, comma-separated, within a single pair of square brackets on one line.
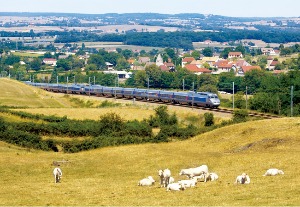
[(109, 176)]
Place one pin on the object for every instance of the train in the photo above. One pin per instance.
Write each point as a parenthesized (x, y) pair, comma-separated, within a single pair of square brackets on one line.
[(203, 99)]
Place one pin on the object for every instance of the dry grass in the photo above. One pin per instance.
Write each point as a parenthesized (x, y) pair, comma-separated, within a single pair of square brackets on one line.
[(109, 176)]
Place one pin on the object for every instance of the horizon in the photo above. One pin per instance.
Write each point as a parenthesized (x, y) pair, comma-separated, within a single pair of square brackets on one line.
[(230, 8), (77, 13)]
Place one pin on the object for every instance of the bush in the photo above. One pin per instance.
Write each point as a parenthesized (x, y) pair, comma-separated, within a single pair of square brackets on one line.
[(209, 119), (2, 125), (240, 115)]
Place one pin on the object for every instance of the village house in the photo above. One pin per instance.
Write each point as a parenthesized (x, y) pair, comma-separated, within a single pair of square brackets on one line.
[(223, 66), (194, 69), (240, 63), (186, 60), (143, 60), (109, 66), (273, 65), (210, 60), (50, 61), (270, 51), (235, 55), (241, 71)]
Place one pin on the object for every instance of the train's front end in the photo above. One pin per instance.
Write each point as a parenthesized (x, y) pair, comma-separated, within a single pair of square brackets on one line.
[(214, 100)]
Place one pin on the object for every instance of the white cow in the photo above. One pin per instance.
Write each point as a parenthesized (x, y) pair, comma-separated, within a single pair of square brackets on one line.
[(165, 176), (207, 177), (57, 174), (273, 171), (211, 177), (191, 172), (188, 183), (146, 181), (175, 186), (242, 179)]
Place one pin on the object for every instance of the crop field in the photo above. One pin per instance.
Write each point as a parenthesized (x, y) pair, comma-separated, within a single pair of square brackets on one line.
[(109, 176)]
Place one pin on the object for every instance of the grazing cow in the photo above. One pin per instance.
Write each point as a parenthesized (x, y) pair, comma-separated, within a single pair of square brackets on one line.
[(242, 179), (273, 171), (165, 176), (191, 172), (146, 181), (57, 174), (175, 186)]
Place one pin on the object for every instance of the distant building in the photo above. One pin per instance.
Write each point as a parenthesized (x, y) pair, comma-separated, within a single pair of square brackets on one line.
[(235, 55), (159, 60), (109, 66), (241, 71), (144, 60), (50, 61), (186, 60)]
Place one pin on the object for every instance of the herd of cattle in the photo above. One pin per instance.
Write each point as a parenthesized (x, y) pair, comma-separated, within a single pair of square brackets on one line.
[(194, 175)]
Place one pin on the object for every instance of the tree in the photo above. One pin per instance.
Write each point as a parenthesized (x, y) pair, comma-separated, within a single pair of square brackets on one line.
[(97, 60), (48, 55), (196, 54), (240, 48), (225, 52), (64, 63), (127, 53), (154, 74), (207, 52), (209, 119), (35, 64)]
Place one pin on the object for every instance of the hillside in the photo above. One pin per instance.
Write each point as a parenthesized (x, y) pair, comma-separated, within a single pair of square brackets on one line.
[(109, 176)]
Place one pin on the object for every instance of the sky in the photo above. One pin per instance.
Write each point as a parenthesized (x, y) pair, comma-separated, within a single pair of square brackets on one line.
[(234, 8)]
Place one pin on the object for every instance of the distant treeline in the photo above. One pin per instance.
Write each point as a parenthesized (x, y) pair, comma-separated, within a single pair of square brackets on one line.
[(166, 39)]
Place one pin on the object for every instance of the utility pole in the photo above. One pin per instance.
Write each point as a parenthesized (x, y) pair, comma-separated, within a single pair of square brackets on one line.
[(183, 84), (89, 86), (193, 96), (148, 90), (67, 85), (292, 94), (246, 97), (94, 80), (233, 95)]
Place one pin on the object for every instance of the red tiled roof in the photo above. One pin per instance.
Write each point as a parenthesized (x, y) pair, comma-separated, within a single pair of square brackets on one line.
[(274, 63), (49, 59), (234, 53), (169, 64), (188, 59), (248, 68), (220, 62), (193, 68), (164, 68)]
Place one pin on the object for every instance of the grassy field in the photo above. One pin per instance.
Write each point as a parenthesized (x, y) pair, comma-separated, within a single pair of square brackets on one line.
[(27, 54), (109, 176)]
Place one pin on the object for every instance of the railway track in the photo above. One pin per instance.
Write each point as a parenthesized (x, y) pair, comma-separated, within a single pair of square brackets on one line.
[(220, 110)]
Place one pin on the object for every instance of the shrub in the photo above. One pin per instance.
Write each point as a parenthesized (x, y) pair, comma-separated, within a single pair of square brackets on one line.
[(2, 125), (106, 103), (209, 119), (240, 115)]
